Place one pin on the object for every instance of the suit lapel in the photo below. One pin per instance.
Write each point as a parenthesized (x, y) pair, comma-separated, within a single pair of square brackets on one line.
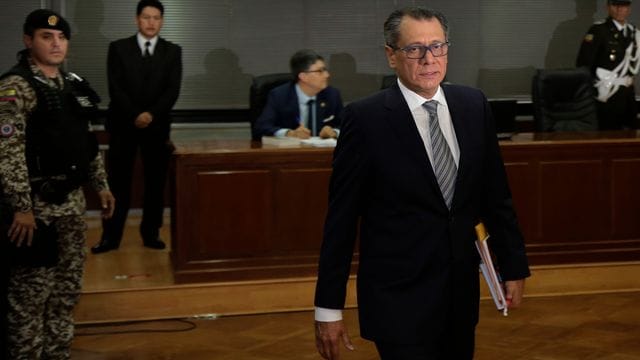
[(158, 55), (401, 121), (458, 118), (293, 105), (134, 52), (321, 105)]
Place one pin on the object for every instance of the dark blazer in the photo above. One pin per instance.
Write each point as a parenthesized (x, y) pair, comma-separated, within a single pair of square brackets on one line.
[(604, 46), (131, 94), (282, 110), (416, 256)]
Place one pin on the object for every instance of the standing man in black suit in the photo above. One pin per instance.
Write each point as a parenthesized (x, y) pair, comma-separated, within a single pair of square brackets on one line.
[(416, 167), (144, 74), (305, 107)]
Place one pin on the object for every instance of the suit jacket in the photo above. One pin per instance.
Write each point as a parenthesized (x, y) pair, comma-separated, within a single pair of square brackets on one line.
[(604, 46), (283, 111), (416, 256), (132, 92)]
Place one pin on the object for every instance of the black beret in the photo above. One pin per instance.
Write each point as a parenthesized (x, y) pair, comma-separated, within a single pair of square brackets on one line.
[(46, 19), (619, 2)]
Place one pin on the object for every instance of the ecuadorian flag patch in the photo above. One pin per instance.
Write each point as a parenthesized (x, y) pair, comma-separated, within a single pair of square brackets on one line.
[(8, 95)]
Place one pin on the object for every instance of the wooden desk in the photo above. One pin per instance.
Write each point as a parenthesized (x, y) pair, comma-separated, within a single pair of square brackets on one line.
[(243, 211)]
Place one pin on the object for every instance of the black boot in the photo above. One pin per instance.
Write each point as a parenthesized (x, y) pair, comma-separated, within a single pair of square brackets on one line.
[(103, 246)]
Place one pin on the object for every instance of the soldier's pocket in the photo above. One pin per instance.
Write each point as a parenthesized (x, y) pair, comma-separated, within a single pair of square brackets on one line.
[(43, 251)]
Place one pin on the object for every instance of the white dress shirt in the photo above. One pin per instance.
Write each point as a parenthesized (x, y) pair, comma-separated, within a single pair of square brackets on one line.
[(142, 40)]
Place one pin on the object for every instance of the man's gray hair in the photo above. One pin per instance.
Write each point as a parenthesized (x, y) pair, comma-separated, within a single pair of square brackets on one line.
[(392, 25)]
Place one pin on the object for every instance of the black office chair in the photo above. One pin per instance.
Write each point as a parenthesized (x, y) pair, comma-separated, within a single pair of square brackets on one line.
[(504, 114), (259, 91), (564, 100), (387, 81)]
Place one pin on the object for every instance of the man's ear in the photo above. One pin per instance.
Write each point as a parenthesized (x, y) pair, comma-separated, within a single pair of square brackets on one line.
[(391, 56), (27, 40)]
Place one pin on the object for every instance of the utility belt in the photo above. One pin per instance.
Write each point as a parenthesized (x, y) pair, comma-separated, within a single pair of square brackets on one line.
[(55, 190)]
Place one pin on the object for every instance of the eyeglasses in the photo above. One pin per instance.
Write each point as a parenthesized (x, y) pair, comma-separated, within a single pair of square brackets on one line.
[(419, 51), (319, 71)]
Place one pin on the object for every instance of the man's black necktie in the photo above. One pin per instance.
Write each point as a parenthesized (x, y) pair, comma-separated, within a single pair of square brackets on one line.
[(147, 53), (146, 74), (146, 61), (311, 123)]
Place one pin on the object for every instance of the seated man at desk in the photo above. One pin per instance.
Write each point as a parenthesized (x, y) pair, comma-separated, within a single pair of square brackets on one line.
[(305, 107)]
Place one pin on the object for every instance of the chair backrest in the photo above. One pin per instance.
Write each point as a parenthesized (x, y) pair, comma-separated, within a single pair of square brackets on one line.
[(564, 100), (259, 91), (504, 113)]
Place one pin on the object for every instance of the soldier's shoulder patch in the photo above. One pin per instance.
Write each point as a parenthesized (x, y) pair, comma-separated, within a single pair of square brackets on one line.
[(8, 95), (7, 130), (588, 38)]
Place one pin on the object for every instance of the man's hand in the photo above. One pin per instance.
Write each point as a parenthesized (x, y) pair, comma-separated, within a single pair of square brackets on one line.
[(301, 132), (108, 203), (327, 132), (143, 120), (514, 292), (22, 228), (328, 336)]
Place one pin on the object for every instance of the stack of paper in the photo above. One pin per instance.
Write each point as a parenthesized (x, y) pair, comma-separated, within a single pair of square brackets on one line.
[(489, 271), (319, 142), (280, 141), (293, 142)]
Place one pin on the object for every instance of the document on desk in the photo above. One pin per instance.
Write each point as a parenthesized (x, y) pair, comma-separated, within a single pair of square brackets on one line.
[(319, 142), (280, 141), (489, 271)]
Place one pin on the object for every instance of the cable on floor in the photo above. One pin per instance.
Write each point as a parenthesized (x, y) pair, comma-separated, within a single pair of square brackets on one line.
[(117, 328)]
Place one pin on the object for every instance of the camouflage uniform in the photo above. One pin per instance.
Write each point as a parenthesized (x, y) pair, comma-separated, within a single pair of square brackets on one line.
[(41, 299)]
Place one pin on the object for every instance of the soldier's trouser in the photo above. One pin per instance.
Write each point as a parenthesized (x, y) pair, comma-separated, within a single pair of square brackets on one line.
[(41, 300)]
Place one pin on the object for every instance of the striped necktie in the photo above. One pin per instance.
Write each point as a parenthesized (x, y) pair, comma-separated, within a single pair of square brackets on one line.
[(443, 164)]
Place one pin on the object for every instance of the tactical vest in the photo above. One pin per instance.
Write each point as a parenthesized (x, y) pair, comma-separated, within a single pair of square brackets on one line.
[(58, 140)]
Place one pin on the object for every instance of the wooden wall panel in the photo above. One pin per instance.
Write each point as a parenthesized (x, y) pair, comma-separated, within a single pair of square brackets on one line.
[(300, 218), (234, 218), (523, 182), (625, 198), (572, 201)]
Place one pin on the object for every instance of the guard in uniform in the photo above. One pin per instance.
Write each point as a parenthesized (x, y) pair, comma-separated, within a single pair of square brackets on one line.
[(47, 153), (610, 50)]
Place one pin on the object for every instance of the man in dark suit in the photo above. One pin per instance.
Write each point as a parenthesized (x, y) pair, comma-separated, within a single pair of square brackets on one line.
[(416, 167), (305, 107), (144, 74)]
